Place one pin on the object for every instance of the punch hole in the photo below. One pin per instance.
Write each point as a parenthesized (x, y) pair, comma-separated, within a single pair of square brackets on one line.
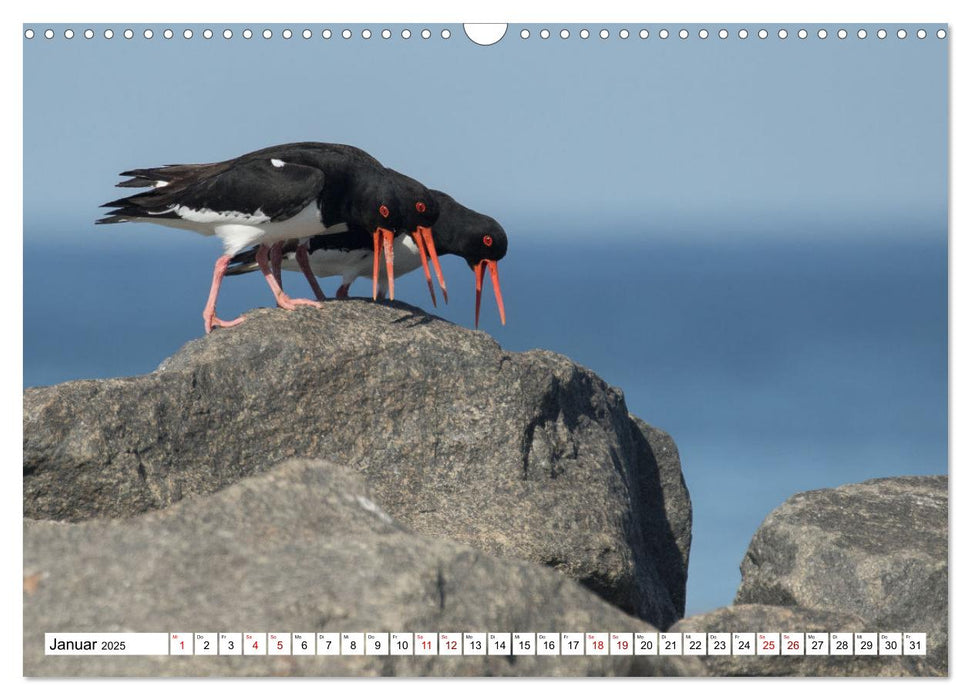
[(644, 33), (821, 34), (485, 34), (722, 33), (385, 33), (524, 34), (168, 34), (306, 34), (624, 34), (901, 33), (326, 34), (921, 34), (564, 33), (29, 34), (803, 33), (763, 34), (544, 34), (267, 34), (683, 34), (703, 34), (584, 33), (941, 34), (604, 33), (881, 34), (109, 33), (841, 33), (68, 33), (743, 33), (148, 34), (286, 34), (446, 34), (663, 33), (366, 34), (346, 33), (207, 34), (426, 34), (227, 33), (89, 34), (49, 34), (861, 34), (187, 34), (783, 34), (405, 33), (247, 33), (129, 34)]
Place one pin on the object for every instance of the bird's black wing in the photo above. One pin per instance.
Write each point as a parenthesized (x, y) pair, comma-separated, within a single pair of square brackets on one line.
[(276, 188)]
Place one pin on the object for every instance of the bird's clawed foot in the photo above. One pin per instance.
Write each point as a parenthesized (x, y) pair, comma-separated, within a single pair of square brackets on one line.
[(285, 302), (211, 321), (282, 299), (209, 313)]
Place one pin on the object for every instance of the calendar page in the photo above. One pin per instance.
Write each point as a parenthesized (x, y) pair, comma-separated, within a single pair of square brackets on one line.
[(523, 349)]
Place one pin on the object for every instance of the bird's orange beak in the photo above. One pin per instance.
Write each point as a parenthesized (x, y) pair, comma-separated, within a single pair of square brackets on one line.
[(427, 244), (387, 236), (420, 242), (479, 274)]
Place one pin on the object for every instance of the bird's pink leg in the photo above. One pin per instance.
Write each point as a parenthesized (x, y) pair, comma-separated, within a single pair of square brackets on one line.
[(282, 300), (276, 262), (303, 259), (209, 313)]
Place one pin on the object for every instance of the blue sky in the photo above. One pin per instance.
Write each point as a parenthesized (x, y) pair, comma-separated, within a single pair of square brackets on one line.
[(736, 134)]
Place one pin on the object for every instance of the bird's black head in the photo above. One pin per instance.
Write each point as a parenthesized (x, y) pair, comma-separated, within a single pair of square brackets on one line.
[(374, 203), (485, 240), (467, 233), (419, 207)]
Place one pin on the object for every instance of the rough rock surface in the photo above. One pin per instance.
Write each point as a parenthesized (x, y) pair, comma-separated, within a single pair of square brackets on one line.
[(877, 550), (517, 454), (300, 547), (768, 618)]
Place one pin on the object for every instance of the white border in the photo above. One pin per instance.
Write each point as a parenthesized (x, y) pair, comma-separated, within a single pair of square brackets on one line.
[(707, 11)]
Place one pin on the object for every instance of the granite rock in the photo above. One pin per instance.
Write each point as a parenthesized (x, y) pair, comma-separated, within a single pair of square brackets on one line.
[(302, 546), (877, 550), (523, 455)]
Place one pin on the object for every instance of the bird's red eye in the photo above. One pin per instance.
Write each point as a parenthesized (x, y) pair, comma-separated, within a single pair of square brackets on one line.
[(383, 210), (420, 206), (487, 240)]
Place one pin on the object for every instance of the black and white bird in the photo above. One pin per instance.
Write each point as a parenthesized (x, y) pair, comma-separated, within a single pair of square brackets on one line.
[(293, 191), (479, 239), (418, 213)]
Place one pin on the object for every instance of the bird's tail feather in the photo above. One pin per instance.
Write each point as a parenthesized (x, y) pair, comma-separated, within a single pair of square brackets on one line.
[(243, 262)]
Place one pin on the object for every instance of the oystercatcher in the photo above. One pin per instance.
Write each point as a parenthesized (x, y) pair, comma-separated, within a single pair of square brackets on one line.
[(420, 209), (275, 194), (475, 237)]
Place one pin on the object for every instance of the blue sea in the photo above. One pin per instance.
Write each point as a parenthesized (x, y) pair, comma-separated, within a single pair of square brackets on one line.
[(778, 364)]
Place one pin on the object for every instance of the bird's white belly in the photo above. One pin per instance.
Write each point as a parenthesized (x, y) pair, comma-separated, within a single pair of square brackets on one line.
[(238, 235), (239, 230), (328, 263), (351, 264)]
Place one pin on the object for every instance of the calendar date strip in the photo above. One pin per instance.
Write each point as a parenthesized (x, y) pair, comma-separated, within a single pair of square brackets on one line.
[(485, 644)]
